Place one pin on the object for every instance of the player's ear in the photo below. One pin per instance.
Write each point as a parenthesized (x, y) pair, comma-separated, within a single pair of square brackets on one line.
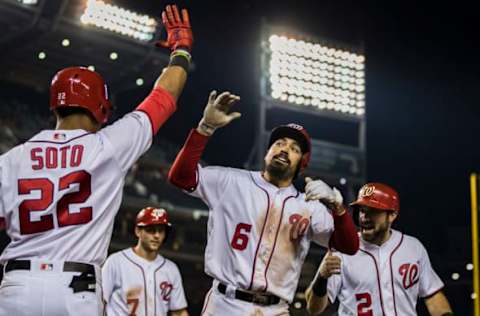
[(137, 231), (392, 216)]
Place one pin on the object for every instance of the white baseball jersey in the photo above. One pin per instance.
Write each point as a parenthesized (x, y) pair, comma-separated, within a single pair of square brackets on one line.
[(384, 280), (134, 286), (250, 230), (60, 191)]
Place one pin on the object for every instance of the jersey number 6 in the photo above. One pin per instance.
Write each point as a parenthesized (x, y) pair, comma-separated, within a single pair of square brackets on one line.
[(46, 188), (240, 238)]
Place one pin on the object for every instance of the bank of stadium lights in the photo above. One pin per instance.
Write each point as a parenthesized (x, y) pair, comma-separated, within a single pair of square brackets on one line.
[(28, 2), (312, 74), (119, 20)]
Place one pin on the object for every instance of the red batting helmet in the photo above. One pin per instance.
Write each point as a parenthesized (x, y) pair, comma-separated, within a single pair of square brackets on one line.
[(378, 196), (152, 216), (81, 87), (298, 133)]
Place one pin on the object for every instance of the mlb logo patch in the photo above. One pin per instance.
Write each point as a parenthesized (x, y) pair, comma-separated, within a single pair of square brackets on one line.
[(46, 266), (59, 136)]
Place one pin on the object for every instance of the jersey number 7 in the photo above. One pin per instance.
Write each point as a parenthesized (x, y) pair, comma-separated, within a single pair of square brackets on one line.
[(46, 188)]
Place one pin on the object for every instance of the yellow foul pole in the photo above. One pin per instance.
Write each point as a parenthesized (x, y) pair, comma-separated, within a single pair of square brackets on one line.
[(476, 274)]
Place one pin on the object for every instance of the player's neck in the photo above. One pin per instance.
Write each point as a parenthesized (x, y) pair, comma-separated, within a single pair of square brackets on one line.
[(382, 238), (77, 121), (281, 183), (147, 255)]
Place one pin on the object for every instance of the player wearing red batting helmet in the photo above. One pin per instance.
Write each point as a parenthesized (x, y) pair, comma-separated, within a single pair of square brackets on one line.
[(61, 189), (139, 279), (78, 88), (152, 229), (389, 272)]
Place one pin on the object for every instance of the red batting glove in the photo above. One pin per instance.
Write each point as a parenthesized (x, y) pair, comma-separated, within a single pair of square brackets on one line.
[(179, 31)]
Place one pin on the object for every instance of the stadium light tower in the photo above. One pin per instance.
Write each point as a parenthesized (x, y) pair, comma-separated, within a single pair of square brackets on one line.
[(320, 84), (119, 20)]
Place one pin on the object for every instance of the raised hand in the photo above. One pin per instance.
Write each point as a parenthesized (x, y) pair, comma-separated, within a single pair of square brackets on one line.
[(216, 113), (179, 31)]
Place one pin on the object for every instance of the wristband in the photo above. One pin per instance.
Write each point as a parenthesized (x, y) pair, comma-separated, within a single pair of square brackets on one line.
[(180, 57), (319, 286), (205, 128)]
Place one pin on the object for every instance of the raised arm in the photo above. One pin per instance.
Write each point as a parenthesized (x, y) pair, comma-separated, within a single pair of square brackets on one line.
[(216, 114), (161, 103)]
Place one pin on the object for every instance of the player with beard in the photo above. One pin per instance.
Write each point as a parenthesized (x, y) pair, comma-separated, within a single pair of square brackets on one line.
[(388, 273), (259, 226)]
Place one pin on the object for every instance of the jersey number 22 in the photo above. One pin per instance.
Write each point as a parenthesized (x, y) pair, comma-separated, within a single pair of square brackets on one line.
[(46, 187)]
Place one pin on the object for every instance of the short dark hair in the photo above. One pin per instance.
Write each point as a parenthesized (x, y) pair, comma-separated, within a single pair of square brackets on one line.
[(65, 111)]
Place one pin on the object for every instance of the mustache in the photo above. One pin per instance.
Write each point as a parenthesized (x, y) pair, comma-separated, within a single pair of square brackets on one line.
[(282, 155)]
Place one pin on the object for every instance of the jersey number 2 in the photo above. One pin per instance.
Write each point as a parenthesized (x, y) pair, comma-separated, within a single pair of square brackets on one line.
[(364, 304), (46, 188)]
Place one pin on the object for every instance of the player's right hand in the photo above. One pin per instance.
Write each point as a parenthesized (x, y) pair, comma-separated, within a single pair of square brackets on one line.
[(216, 113), (179, 31), (330, 265)]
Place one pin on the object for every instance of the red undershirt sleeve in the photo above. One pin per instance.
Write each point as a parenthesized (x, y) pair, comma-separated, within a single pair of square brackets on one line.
[(345, 237), (159, 105), (183, 173)]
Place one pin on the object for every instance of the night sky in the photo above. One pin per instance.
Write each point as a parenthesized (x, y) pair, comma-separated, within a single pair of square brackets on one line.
[(422, 91)]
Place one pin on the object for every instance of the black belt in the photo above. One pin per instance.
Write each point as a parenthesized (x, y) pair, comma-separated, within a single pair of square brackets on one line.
[(257, 298), (84, 282)]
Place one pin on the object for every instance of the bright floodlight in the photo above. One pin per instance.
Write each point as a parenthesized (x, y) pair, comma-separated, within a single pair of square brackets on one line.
[(91, 67), (29, 2), (313, 74), (119, 20), (469, 266), (42, 55), (455, 276)]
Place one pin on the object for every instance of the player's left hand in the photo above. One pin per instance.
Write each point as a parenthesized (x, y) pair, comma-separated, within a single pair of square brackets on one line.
[(179, 31), (319, 190), (217, 112)]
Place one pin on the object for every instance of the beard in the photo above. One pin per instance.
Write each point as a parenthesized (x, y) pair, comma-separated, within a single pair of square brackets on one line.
[(375, 234), (279, 171)]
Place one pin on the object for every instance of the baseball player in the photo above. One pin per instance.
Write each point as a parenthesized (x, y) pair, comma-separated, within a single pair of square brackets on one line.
[(60, 190), (259, 226), (388, 273), (139, 281)]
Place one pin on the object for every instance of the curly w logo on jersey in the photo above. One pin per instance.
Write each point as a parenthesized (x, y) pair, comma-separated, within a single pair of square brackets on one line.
[(166, 289), (410, 274)]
